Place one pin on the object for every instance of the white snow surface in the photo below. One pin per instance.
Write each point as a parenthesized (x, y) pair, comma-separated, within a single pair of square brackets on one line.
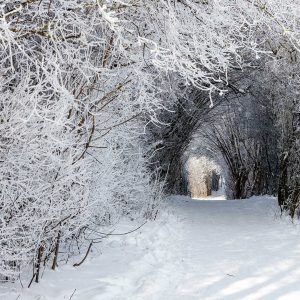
[(240, 249), (216, 195)]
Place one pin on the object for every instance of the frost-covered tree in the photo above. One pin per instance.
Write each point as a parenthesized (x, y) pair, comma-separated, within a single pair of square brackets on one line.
[(283, 82)]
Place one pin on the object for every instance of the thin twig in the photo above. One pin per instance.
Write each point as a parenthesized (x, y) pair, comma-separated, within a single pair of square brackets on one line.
[(72, 294), (106, 234), (86, 255)]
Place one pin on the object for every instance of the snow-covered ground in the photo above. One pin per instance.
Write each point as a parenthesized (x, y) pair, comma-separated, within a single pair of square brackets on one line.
[(195, 250), (218, 195)]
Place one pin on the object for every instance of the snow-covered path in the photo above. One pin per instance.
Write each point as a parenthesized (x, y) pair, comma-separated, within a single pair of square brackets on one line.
[(237, 250), (199, 250)]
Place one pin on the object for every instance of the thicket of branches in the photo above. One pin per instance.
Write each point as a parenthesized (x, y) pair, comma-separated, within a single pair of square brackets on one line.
[(256, 136), (253, 133), (80, 82)]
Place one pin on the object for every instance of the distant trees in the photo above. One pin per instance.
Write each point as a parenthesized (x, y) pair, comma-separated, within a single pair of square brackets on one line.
[(203, 176), (169, 141), (247, 145)]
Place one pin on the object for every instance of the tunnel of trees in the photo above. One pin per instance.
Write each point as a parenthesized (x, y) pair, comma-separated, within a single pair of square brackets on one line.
[(252, 132), (103, 102)]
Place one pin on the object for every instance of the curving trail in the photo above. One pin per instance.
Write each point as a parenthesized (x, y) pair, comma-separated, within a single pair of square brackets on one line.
[(199, 250)]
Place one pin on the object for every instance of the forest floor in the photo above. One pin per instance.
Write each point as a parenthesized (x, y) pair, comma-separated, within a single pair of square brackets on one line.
[(211, 249)]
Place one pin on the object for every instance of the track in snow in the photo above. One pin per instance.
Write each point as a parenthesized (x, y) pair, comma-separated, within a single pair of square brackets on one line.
[(201, 250)]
